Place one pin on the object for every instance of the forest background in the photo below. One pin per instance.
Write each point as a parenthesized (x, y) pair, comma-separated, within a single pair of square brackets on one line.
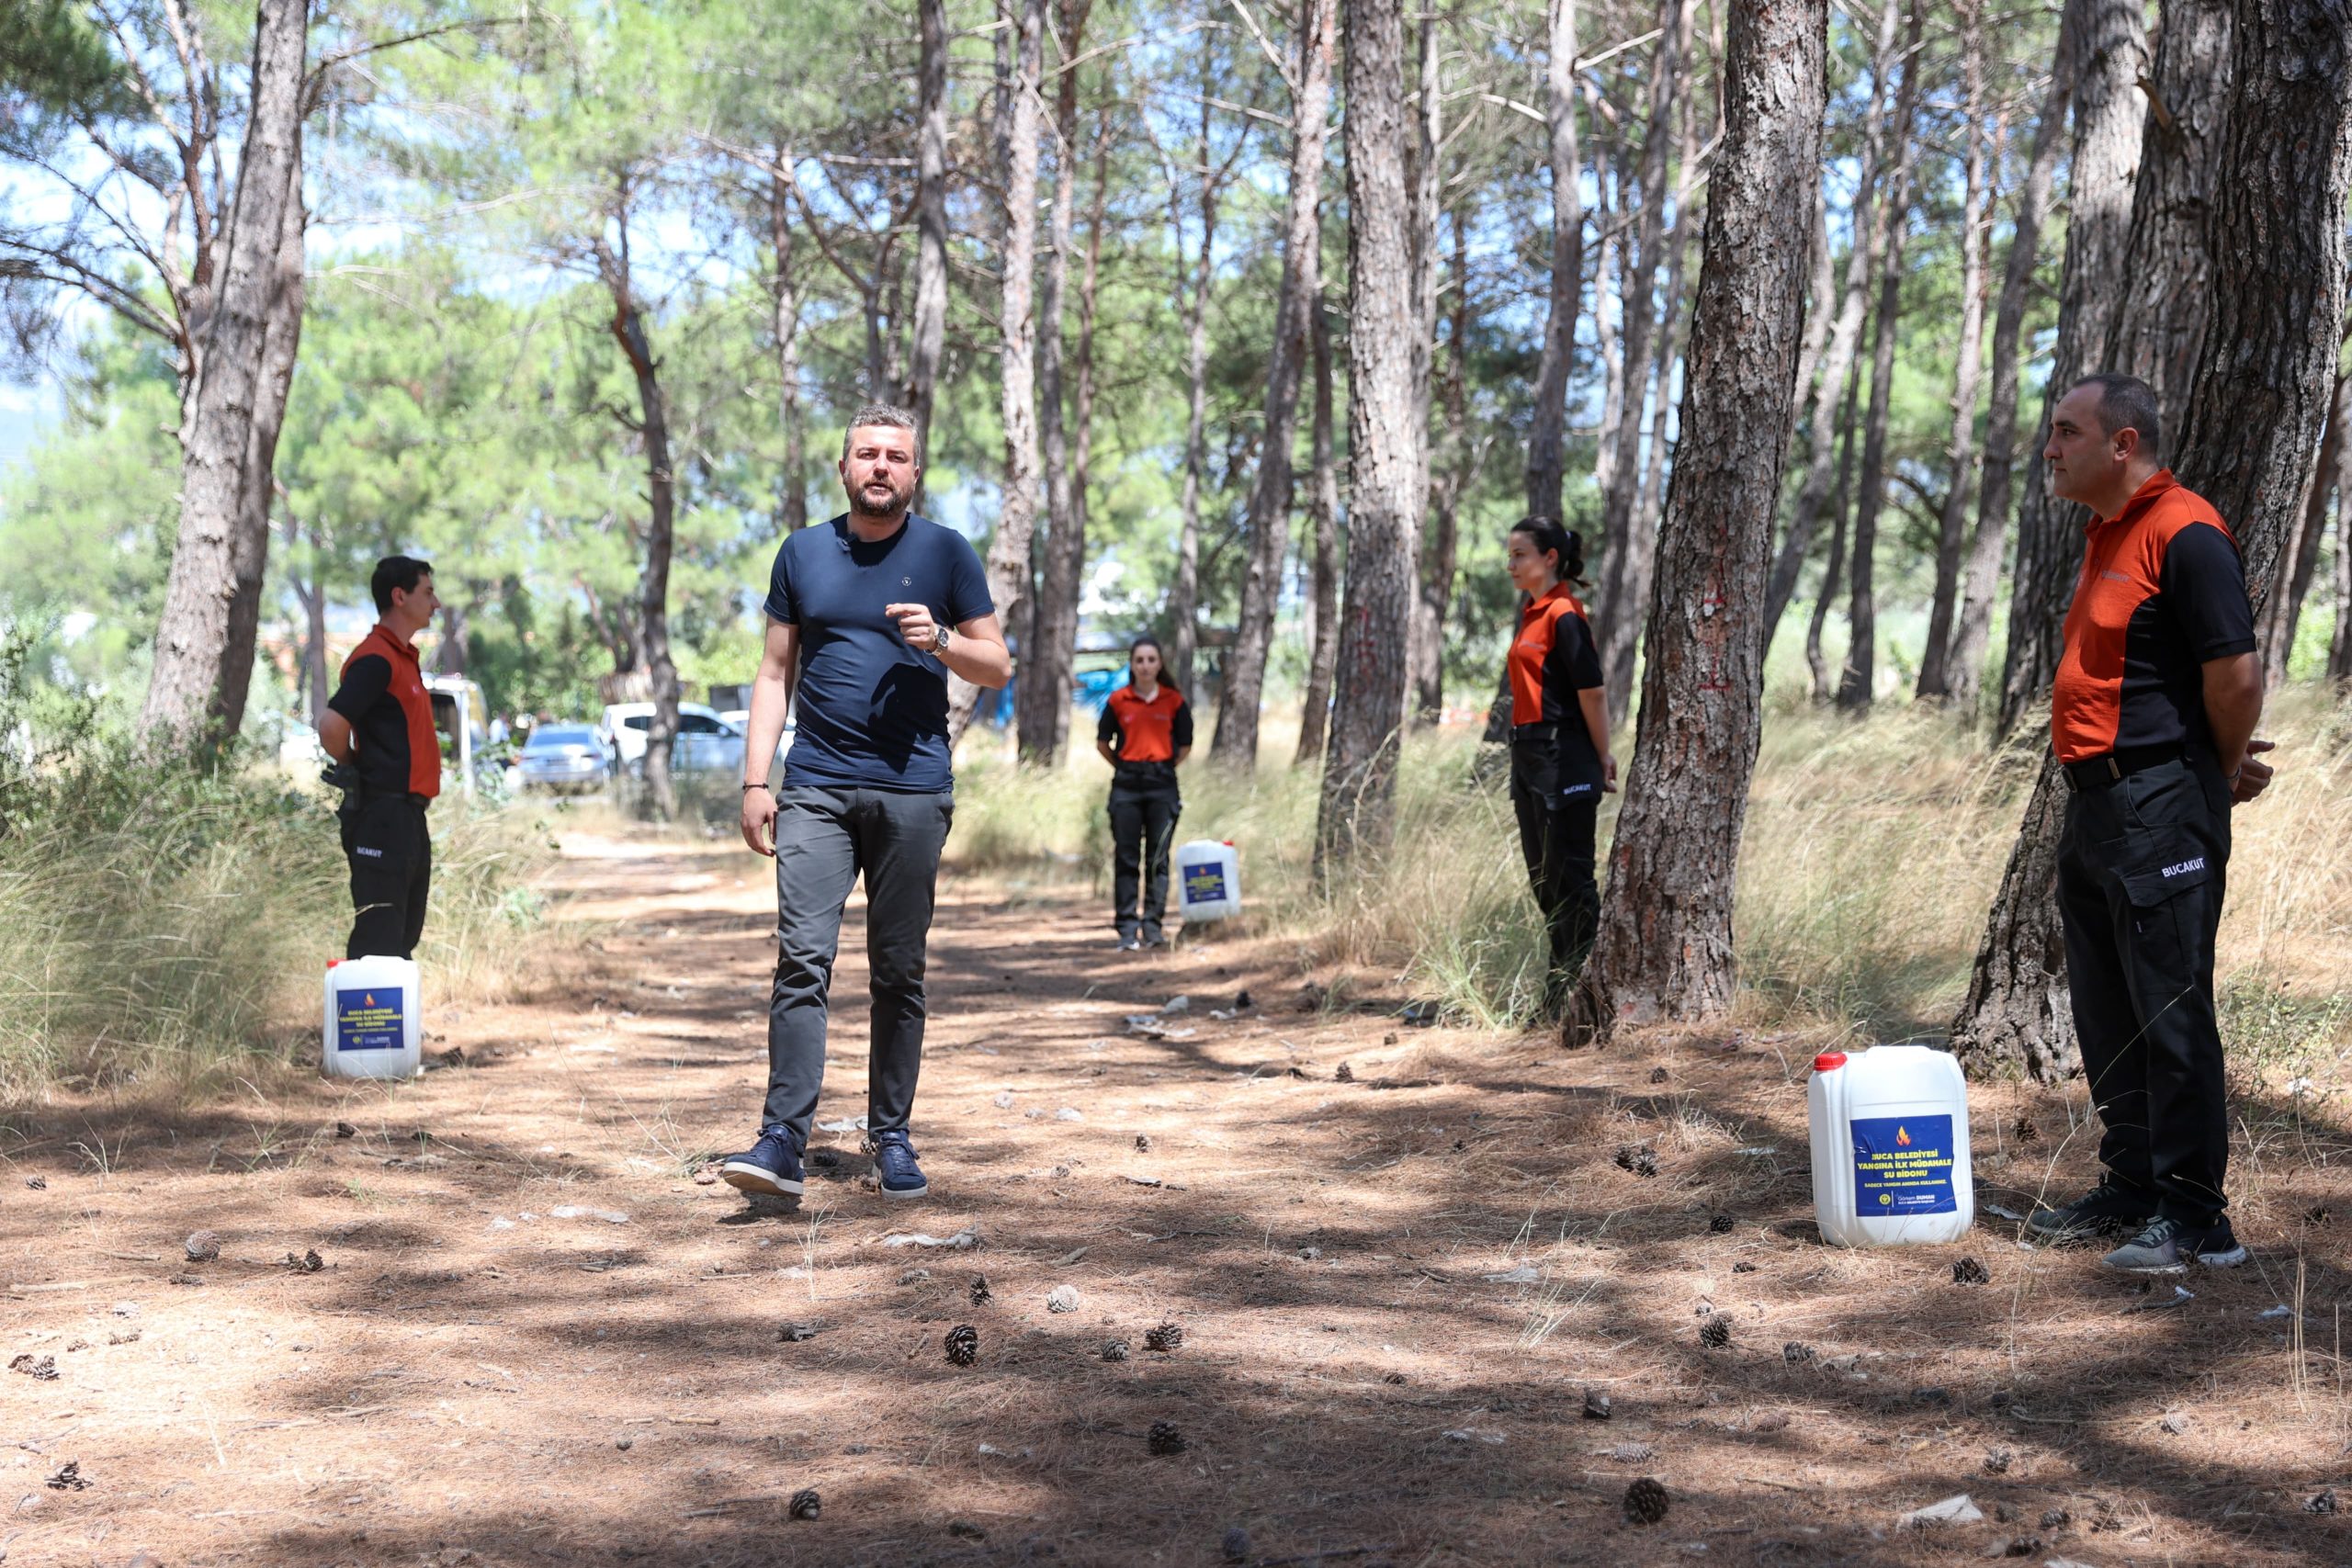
[(572, 299)]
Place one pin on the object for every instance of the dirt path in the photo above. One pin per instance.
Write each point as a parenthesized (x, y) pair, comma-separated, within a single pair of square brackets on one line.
[(536, 1338)]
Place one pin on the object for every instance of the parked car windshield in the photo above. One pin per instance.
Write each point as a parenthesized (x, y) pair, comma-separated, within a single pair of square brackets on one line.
[(549, 736)]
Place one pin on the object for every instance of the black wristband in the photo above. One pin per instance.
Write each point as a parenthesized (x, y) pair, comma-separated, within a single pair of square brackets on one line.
[(750, 787)]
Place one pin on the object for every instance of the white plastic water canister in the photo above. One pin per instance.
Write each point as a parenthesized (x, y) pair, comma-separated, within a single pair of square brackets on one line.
[(1889, 1148), (1208, 880), (374, 1019)]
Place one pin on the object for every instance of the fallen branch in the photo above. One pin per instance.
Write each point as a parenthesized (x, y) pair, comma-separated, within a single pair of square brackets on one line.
[(1322, 1556)]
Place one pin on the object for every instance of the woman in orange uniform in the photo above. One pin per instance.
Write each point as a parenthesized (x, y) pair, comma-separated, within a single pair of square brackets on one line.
[(1146, 729), (1560, 762)]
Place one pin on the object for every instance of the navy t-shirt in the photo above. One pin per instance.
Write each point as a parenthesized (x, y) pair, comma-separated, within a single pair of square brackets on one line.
[(873, 711)]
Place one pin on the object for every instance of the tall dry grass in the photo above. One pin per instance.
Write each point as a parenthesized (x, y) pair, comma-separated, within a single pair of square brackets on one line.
[(1871, 854)]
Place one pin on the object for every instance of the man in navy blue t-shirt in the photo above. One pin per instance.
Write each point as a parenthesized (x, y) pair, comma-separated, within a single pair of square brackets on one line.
[(867, 616)]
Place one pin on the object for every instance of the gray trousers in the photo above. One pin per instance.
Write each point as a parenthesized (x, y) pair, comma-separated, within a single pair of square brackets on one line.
[(825, 838)]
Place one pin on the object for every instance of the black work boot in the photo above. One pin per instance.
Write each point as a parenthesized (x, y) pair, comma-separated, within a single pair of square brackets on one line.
[(2109, 1209)]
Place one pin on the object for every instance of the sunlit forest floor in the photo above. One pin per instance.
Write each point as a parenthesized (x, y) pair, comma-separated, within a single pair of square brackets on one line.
[(538, 1335)]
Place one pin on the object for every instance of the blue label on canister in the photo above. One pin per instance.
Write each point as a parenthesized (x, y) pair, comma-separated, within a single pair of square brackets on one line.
[(367, 1019), (1903, 1166), (1205, 883)]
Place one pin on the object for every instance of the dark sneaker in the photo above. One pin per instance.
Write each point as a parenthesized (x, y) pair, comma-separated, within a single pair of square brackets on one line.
[(2109, 1209), (1130, 944), (1154, 938), (772, 1165), (895, 1169), (2167, 1247)]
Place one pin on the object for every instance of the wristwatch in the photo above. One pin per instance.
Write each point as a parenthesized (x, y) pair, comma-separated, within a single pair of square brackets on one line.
[(939, 638)]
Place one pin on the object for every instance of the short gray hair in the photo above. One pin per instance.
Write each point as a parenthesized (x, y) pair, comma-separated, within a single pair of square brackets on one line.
[(889, 416), (2126, 402)]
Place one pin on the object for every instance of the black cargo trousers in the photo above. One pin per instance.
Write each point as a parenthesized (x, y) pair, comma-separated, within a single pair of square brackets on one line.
[(391, 853), (2141, 868)]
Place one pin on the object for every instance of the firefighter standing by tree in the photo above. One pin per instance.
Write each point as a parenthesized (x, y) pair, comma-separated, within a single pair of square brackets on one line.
[(2153, 718), (1146, 729), (1560, 760), (378, 729)]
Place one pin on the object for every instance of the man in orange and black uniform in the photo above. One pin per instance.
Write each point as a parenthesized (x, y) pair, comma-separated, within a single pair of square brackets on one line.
[(2153, 718), (379, 729)]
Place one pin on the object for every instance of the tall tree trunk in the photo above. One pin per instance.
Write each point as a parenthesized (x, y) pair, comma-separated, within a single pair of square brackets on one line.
[(1548, 424), (928, 333), (187, 693), (661, 494), (1019, 72), (1447, 487), (1964, 670), (1235, 744), (1621, 634), (314, 638), (257, 485), (2339, 649), (1665, 947), (1425, 634), (1042, 708), (2266, 367), (1620, 616), (1183, 593), (2167, 275), (1609, 312), (455, 649), (1820, 300), (2299, 561), (1845, 335), (2110, 54), (1857, 679), (1356, 815), (792, 484), (1323, 648), (1833, 572), (1960, 451)]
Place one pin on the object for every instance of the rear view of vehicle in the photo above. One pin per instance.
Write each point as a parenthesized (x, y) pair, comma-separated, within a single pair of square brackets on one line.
[(567, 759)]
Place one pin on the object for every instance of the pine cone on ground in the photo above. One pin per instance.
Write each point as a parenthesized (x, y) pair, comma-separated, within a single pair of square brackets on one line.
[(1721, 1224), (1645, 1502), (805, 1504), (1796, 1353), (1968, 1271), (980, 1290), (1996, 1461), (2024, 1131), (1166, 1338), (1165, 1439), (202, 1247), (1345, 1075), (1640, 1161), (1114, 1350), (1657, 1075), (1596, 1405), (962, 1345), (1715, 1333), (309, 1263)]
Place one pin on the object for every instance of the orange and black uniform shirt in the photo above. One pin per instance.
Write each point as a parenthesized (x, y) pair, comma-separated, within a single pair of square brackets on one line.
[(2162, 592), (383, 697), (1145, 735), (1552, 659)]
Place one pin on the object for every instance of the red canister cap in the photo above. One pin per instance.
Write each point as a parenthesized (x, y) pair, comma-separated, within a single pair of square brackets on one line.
[(1828, 1060)]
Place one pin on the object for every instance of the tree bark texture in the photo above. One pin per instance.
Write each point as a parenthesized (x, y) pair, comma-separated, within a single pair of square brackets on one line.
[(1959, 449), (186, 691), (2265, 369), (1548, 422), (257, 484), (1448, 485), (2110, 54), (1665, 947), (1356, 815), (661, 494), (1323, 603), (1183, 593), (2160, 319), (2339, 649), (1425, 636), (1971, 636), (1041, 709), (927, 337), (1619, 615), (1845, 335), (1856, 681), (792, 484), (1268, 529), (1019, 64), (2299, 561)]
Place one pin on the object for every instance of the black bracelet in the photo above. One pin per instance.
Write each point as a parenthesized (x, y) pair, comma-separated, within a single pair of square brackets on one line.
[(750, 787)]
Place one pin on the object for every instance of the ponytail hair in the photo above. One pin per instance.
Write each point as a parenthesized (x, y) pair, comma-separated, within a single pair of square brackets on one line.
[(1551, 537)]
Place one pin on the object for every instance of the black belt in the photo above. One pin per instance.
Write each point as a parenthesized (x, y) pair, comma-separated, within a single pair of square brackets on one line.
[(1546, 730), (420, 801), (2099, 773)]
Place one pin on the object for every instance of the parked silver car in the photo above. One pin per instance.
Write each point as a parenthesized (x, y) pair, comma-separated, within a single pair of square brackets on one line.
[(566, 758)]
